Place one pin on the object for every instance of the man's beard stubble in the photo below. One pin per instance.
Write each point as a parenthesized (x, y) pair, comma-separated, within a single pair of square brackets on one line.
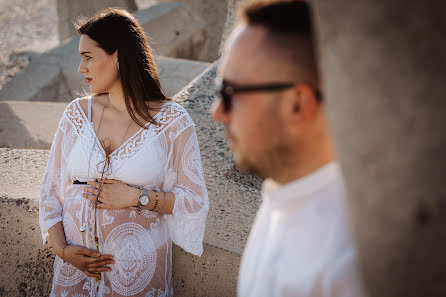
[(266, 163)]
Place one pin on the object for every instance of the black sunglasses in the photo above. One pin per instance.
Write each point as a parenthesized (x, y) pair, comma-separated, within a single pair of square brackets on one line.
[(227, 90)]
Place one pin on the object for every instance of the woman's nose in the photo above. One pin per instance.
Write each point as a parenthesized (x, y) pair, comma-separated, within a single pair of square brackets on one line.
[(82, 68)]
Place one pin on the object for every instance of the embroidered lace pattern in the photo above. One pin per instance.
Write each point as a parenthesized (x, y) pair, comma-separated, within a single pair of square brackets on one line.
[(162, 157)]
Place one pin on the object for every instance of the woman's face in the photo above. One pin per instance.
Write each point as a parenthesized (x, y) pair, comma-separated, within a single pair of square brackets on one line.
[(99, 68)]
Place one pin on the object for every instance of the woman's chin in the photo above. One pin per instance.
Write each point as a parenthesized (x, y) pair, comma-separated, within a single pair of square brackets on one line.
[(96, 90)]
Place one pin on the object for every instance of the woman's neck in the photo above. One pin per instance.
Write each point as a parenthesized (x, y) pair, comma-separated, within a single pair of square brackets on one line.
[(116, 100)]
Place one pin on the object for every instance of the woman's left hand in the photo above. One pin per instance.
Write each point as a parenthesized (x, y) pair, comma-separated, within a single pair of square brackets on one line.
[(114, 194)]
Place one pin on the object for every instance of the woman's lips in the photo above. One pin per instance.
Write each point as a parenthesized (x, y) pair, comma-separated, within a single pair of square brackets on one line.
[(88, 79)]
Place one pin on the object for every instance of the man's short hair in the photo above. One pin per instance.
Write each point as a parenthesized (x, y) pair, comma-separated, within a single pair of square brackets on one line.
[(290, 30), (286, 17)]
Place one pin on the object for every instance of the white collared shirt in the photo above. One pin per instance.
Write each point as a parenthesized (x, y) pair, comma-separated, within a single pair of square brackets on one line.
[(300, 243)]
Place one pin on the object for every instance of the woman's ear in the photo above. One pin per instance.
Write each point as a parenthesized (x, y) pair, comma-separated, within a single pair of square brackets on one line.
[(115, 56)]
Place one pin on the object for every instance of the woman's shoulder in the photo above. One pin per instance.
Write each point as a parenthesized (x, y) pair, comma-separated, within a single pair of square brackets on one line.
[(172, 109), (174, 112), (174, 118), (75, 110), (82, 102), (72, 107)]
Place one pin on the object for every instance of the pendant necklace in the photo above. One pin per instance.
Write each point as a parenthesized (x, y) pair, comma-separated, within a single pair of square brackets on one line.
[(106, 167), (107, 164)]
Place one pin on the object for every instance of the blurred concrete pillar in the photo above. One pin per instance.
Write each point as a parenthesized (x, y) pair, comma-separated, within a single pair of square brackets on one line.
[(232, 6), (384, 71), (68, 11)]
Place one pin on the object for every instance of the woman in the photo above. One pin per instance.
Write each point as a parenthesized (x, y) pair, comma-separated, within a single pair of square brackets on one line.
[(139, 154)]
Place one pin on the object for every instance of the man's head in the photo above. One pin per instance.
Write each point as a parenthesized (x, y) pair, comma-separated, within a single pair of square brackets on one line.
[(271, 106)]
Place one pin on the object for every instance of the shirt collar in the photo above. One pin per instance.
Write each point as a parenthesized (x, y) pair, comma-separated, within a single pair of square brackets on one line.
[(304, 186)]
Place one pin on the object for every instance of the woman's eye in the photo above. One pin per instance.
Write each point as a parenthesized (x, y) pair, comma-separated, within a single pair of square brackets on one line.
[(87, 57)]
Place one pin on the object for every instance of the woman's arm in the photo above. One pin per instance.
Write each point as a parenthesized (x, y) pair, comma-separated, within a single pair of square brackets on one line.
[(117, 195), (90, 262), (57, 239), (185, 179), (52, 192)]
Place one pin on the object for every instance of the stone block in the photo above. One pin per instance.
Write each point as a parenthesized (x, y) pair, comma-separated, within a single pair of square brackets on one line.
[(175, 74), (69, 11), (29, 124), (175, 33), (213, 15)]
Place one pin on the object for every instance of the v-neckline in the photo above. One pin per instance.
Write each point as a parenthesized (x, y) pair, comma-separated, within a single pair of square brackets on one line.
[(97, 140)]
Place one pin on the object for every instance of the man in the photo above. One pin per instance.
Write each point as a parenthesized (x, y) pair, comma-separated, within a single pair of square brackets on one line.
[(300, 243)]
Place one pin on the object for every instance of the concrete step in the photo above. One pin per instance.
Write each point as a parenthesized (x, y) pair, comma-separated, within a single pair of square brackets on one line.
[(175, 73), (29, 125)]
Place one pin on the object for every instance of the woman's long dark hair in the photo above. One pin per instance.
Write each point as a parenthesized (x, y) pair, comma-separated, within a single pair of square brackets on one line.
[(115, 29)]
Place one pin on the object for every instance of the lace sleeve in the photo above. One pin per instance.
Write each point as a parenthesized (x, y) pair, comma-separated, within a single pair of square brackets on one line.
[(187, 223), (55, 179)]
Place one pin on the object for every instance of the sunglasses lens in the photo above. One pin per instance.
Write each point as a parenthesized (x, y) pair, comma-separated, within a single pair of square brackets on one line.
[(226, 102)]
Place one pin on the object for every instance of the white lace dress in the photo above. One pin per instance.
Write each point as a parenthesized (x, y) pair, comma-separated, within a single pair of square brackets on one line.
[(163, 157)]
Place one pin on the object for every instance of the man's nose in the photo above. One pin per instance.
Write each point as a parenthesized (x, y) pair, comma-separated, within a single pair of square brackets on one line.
[(217, 111)]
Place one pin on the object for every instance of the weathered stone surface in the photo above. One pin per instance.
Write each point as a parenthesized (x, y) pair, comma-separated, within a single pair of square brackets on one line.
[(213, 274), (69, 11), (384, 66), (177, 33), (175, 74), (29, 124), (211, 15), (26, 265)]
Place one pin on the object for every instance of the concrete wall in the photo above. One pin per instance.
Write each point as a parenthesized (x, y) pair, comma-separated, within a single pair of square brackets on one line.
[(384, 66), (212, 14)]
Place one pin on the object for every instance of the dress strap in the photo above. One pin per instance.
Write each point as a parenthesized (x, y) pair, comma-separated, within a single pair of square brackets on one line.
[(89, 109)]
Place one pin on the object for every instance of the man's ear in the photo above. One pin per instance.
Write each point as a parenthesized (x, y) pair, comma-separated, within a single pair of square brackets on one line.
[(302, 105)]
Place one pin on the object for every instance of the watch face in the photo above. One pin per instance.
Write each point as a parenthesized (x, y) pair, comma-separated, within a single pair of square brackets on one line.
[(144, 200)]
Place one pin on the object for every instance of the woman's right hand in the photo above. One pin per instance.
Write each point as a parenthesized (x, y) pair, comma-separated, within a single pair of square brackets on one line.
[(90, 262)]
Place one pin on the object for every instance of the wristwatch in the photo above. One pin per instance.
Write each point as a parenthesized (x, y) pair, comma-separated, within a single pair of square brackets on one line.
[(143, 200)]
